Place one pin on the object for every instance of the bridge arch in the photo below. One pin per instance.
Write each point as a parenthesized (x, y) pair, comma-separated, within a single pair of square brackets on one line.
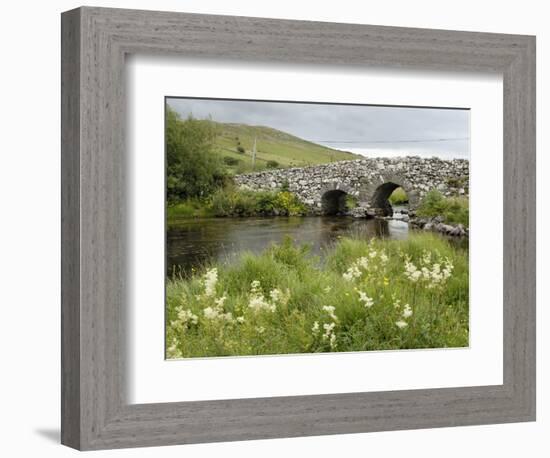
[(381, 191), (334, 198), (334, 202)]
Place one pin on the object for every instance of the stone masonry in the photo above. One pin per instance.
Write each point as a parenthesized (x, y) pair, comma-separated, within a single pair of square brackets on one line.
[(370, 181)]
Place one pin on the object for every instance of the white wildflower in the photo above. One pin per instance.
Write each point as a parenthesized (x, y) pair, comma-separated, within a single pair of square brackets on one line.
[(362, 262), (240, 319), (411, 271), (384, 258), (172, 351), (210, 280), (352, 273), (407, 311), (332, 341), (426, 274), (328, 289), (211, 313), (401, 324), (220, 301), (257, 301), (328, 327), (275, 295), (330, 310), (187, 316), (315, 327), (367, 301), (260, 329), (279, 297)]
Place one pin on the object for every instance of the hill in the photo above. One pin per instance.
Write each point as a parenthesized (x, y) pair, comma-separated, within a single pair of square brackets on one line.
[(274, 149)]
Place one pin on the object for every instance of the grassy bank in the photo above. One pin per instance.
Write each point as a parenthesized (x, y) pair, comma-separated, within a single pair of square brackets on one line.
[(367, 296), (453, 210), (231, 201)]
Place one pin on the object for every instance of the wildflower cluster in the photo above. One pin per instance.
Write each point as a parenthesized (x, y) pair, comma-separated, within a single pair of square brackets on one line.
[(258, 302), (210, 280), (365, 296), (329, 334), (432, 275), (365, 263), (185, 319), (217, 312), (186, 316), (406, 313), (367, 301)]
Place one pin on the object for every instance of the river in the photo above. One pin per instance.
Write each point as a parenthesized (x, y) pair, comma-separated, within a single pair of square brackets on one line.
[(194, 242)]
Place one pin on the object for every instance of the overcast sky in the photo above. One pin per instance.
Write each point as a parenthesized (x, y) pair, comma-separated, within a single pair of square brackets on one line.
[(367, 130)]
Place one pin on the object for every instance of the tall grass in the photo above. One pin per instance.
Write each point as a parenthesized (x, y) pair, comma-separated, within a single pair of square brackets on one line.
[(364, 296), (452, 209), (232, 201)]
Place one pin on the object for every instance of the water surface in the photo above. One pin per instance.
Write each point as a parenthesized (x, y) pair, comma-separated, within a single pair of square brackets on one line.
[(194, 242)]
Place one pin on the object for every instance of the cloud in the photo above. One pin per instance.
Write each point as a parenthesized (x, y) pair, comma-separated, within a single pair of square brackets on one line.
[(364, 129)]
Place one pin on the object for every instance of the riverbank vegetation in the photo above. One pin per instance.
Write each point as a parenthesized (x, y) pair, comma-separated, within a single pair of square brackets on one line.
[(365, 295), (453, 210), (398, 197), (232, 201)]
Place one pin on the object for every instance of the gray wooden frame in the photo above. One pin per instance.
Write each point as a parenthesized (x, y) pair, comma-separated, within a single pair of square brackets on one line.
[(95, 413)]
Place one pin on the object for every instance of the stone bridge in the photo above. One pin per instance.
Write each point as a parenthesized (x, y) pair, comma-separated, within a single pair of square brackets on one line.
[(324, 188)]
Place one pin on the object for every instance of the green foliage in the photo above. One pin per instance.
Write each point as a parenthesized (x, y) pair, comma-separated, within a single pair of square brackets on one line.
[(288, 204), (188, 208), (458, 182), (240, 149), (284, 300), (452, 209), (398, 197), (351, 201), (271, 164), (192, 168), (231, 161), (231, 201)]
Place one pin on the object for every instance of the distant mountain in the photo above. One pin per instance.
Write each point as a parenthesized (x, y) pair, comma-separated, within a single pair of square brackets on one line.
[(274, 149)]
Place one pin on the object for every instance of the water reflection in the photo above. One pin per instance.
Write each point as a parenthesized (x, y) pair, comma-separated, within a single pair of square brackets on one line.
[(193, 242)]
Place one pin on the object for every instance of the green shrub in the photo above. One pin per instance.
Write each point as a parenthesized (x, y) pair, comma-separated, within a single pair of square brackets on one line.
[(189, 208), (241, 202), (240, 149), (351, 201), (231, 161), (192, 167), (288, 204), (398, 197), (452, 209), (272, 164)]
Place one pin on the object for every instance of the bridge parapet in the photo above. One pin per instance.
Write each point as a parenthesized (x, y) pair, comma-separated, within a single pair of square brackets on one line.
[(368, 180)]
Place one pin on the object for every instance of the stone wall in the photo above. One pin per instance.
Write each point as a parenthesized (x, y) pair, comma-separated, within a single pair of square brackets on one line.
[(363, 179)]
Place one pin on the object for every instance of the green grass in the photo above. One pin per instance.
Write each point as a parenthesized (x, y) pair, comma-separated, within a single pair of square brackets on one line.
[(398, 197), (272, 303), (190, 208), (274, 148), (232, 201), (454, 210)]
